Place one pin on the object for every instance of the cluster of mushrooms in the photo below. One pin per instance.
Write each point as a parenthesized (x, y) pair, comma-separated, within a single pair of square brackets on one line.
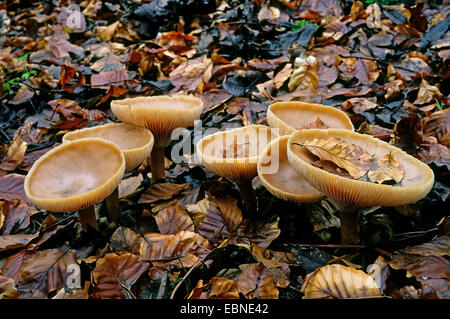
[(100, 156), (288, 169), (90, 163)]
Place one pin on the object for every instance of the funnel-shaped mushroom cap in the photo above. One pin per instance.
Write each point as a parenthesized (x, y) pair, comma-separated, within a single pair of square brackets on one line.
[(233, 154), (159, 114), (135, 142), (75, 175), (417, 181), (291, 116), (278, 176)]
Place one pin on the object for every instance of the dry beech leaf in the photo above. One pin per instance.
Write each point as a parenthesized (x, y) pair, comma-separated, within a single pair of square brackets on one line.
[(305, 75), (114, 275), (364, 70), (129, 185), (105, 33), (16, 216), (124, 239), (256, 233), (11, 187), (6, 284), (282, 76), (216, 288), (192, 75), (46, 270), (256, 282), (161, 191), (277, 263), (164, 251), (223, 218), (15, 154), (198, 210), (355, 160), (393, 88), (437, 124), (386, 169), (339, 282), (173, 219), (15, 241), (427, 93), (314, 124)]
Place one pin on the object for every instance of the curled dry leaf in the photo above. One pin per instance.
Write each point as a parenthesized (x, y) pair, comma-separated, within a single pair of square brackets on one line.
[(277, 263), (305, 75), (6, 285), (386, 169), (256, 282), (257, 233), (161, 191), (339, 282), (216, 288), (198, 210), (192, 75), (114, 276), (183, 249), (173, 219), (355, 160), (437, 124)]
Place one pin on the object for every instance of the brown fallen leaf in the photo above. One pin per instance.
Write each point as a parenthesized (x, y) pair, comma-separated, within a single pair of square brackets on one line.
[(11, 187), (354, 159), (8, 242), (181, 250), (277, 264), (161, 191), (124, 239), (260, 233), (222, 218), (256, 282), (359, 104), (106, 79), (15, 154), (339, 282), (304, 77), (366, 71), (7, 285), (129, 185), (173, 219), (314, 124), (437, 124), (216, 288), (46, 271), (192, 75), (428, 93), (114, 276), (386, 169)]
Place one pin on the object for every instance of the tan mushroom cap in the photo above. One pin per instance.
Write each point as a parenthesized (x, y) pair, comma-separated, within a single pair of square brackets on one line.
[(243, 167), (278, 176), (416, 183), (288, 116), (160, 114), (75, 175), (135, 142)]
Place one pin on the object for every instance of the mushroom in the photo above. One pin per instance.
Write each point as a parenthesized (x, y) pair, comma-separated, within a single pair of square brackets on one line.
[(278, 176), (233, 154), (349, 194), (135, 142), (74, 176), (161, 115), (291, 116)]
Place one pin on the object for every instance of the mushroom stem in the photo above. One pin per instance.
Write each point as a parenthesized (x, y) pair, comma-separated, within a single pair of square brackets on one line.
[(87, 218), (248, 196), (112, 205), (349, 227), (157, 164)]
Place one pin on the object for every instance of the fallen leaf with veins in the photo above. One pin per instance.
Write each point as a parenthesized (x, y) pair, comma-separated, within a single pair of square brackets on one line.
[(386, 169)]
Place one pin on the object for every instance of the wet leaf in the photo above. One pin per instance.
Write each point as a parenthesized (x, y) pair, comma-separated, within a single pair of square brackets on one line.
[(339, 282), (386, 169), (11, 187), (173, 219), (114, 276), (15, 241), (161, 191)]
